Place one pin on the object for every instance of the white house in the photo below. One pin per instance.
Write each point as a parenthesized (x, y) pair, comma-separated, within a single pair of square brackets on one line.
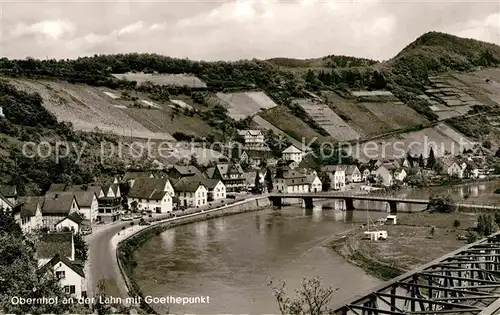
[(55, 243), (28, 213), (337, 176), (70, 276), (215, 189), (352, 174), (151, 194), (191, 192), (252, 138), (384, 176), (231, 175), (292, 153), (290, 182), (315, 184), (72, 223), (455, 169), (399, 174)]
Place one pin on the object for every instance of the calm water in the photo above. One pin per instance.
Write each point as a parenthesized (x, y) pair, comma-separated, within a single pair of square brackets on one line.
[(231, 259)]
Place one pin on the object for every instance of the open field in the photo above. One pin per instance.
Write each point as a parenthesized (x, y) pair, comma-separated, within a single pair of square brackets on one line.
[(441, 138), (163, 79), (328, 120), (244, 104), (264, 124), (396, 116), (89, 108), (283, 119)]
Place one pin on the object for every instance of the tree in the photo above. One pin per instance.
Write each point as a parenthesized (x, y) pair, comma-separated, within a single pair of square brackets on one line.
[(8, 225), (133, 205), (268, 179), (486, 225), (421, 161), (312, 298), (431, 160), (81, 248), (443, 204), (471, 237), (468, 171), (258, 184)]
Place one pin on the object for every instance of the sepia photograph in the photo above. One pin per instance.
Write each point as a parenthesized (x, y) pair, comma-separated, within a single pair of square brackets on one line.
[(278, 157)]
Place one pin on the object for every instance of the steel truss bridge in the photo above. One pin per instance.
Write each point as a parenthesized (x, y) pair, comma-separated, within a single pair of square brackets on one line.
[(466, 281)]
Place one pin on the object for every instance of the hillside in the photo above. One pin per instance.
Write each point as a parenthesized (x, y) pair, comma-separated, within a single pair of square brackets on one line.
[(437, 77)]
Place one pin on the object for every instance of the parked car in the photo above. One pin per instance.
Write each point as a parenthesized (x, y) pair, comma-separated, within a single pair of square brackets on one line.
[(86, 230), (137, 216), (144, 223), (126, 218)]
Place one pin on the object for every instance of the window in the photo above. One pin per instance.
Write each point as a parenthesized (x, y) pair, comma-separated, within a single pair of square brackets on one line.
[(70, 289), (60, 275)]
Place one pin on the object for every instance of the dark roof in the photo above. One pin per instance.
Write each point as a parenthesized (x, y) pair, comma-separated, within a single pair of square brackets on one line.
[(210, 183), (210, 172), (225, 169), (188, 184), (148, 188), (59, 258), (65, 188), (188, 170), (114, 189), (58, 203), (51, 244), (84, 198), (28, 205), (8, 190)]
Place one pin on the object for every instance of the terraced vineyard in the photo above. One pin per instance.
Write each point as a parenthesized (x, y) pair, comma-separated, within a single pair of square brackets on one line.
[(244, 104), (487, 80), (264, 124), (328, 120), (372, 118), (88, 108), (443, 139)]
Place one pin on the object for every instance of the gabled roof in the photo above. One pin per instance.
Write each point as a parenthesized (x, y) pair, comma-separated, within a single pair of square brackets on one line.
[(188, 184), (5, 200), (148, 188), (226, 169), (28, 205), (75, 217), (350, 169), (333, 168), (58, 203), (311, 178), (292, 149), (114, 189), (51, 244), (60, 258), (211, 183), (84, 198), (188, 170), (67, 188), (251, 132), (8, 191)]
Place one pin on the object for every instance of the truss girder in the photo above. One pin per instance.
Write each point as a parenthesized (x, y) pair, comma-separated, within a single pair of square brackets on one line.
[(466, 281)]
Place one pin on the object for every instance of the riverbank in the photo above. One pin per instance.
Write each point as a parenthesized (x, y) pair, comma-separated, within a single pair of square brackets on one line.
[(132, 241), (416, 239)]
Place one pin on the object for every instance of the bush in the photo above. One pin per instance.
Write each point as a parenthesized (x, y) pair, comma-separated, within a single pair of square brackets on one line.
[(486, 225), (442, 204), (456, 223), (497, 191), (471, 237)]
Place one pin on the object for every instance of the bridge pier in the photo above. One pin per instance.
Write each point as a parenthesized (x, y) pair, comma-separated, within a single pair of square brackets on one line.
[(393, 206), (277, 201), (308, 203), (349, 204)]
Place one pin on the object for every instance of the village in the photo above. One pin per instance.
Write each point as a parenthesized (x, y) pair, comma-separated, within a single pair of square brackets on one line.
[(67, 212)]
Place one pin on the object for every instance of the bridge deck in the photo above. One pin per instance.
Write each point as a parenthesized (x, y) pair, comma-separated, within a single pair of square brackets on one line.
[(466, 281), (334, 195)]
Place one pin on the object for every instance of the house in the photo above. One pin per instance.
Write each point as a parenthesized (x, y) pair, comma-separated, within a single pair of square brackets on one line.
[(87, 202), (215, 189), (70, 276), (471, 170), (290, 181), (72, 222), (231, 175), (292, 153), (315, 184), (151, 194), (5, 204), (384, 176), (131, 176), (252, 138), (352, 174), (111, 191), (184, 171), (28, 213), (453, 168), (399, 174), (406, 163), (9, 192), (56, 243), (57, 206), (337, 176), (191, 192), (255, 158)]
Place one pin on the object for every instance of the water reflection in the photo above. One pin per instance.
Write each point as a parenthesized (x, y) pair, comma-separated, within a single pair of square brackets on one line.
[(168, 239), (317, 213), (201, 232)]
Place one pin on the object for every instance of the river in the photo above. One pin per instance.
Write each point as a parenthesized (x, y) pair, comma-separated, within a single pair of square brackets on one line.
[(231, 259)]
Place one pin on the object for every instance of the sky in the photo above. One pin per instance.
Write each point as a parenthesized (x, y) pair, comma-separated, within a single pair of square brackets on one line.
[(236, 29)]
